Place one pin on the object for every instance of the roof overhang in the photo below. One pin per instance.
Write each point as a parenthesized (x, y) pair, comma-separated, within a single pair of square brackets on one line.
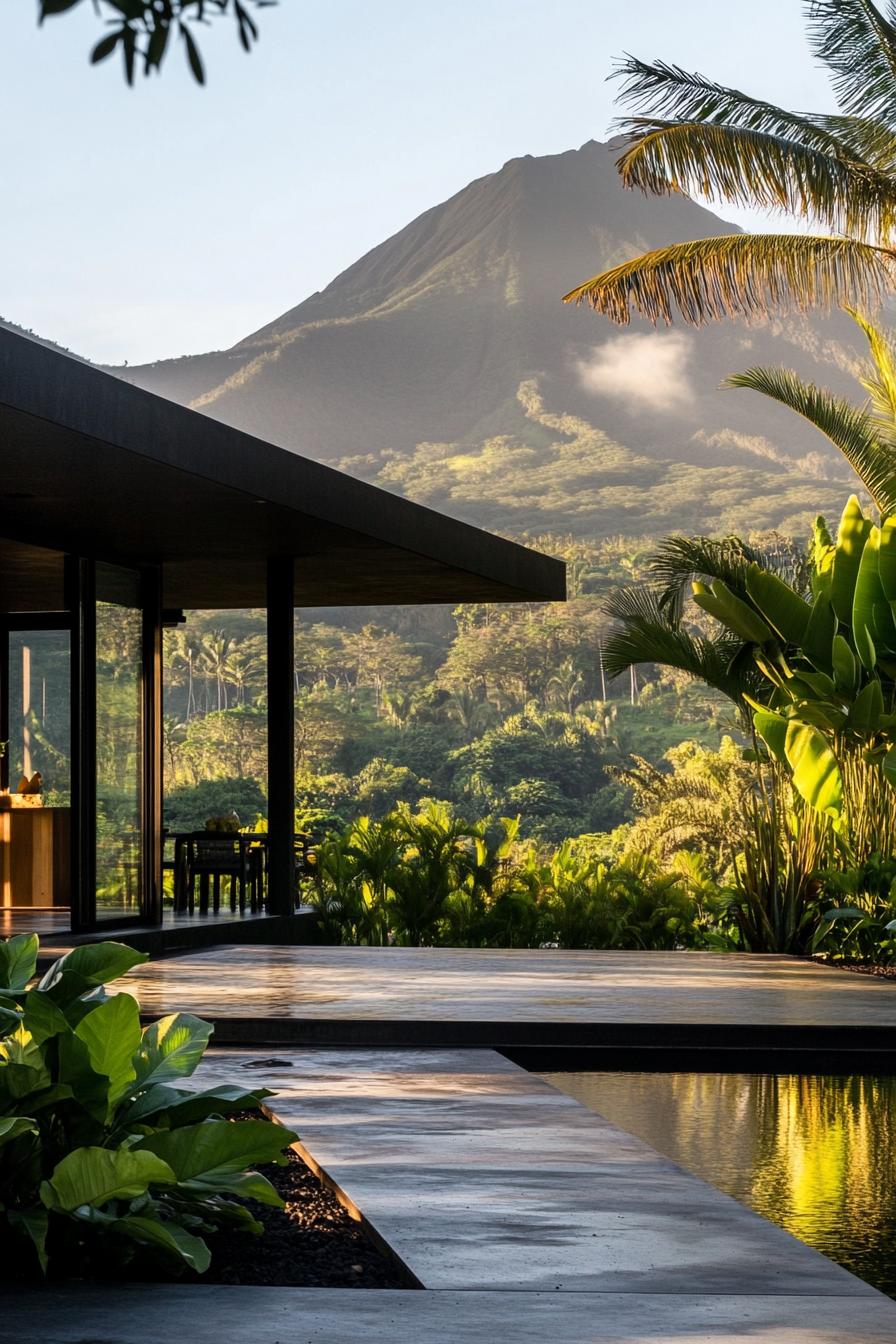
[(91, 465)]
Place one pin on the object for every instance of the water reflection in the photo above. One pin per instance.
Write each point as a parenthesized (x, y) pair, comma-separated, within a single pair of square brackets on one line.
[(815, 1154)]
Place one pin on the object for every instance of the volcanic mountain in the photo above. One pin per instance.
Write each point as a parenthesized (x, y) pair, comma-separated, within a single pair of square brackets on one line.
[(444, 365)]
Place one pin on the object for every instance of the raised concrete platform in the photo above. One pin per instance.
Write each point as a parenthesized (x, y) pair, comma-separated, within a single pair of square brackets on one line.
[(526, 1217), (160, 1314), (612, 1001), (480, 1176)]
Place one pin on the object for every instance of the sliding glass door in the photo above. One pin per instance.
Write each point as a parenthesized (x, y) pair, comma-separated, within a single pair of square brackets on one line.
[(115, 704), (120, 743)]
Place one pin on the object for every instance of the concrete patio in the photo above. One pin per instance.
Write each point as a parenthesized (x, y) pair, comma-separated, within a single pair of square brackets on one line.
[(694, 1002), (524, 1216)]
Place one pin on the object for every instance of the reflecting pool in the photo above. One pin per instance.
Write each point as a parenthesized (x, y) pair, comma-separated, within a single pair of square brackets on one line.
[(814, 1153)]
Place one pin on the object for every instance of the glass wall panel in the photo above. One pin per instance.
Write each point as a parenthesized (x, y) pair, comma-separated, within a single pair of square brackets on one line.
[(39, 711), (119, 743), (35, 817)]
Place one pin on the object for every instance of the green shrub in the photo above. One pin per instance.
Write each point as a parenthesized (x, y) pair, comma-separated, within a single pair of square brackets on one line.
[(104, 1158)]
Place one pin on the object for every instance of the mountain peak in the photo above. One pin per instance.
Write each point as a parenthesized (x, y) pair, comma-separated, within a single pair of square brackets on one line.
[(430, 348)]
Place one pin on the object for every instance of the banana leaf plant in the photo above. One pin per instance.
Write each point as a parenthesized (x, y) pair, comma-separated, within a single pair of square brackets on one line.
[(828, 664), (106, 1161)]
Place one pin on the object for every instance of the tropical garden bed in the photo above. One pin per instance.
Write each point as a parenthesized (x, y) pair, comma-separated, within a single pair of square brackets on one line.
[(111, 1169), (312, 1242)]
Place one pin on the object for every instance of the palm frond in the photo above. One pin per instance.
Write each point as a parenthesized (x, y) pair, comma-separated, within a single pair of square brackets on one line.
[(881, 383), (740, 275), (758, 169), (647, 635), (661, 89), (677, 561), (863, 138), (851, 429), (858, 45)]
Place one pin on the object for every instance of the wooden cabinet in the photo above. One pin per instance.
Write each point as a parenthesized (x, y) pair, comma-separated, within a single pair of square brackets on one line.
[(35, 856)]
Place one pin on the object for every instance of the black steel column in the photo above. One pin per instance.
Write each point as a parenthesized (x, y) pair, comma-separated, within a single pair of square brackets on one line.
[(151, 790), (281, 735), (4, 703), (81, 602)]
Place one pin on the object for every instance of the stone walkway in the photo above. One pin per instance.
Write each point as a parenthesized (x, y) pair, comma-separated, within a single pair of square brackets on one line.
[(153, 1314), (479, 1175), (526, 1217)]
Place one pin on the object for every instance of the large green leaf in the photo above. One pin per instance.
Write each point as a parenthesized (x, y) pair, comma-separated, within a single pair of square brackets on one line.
[(87, 966), (851, 537), (886, 559), (772, 728), (11, 1126), (846, 670), (719, 601), (94, 1176), (166, 1236), (182, 1107), (112, 1036), (212, 1154), (89, 1087), (171, 1048), (785, 611), (816, 773), (873, 629), (18, 961), (867, 710), (820, 633), (43, 1018)]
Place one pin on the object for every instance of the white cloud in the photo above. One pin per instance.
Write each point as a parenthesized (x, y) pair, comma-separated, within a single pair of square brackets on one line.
[(647, 370)]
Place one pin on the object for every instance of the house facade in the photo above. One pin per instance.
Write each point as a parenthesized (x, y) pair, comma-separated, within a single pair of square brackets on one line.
[(119, 511)]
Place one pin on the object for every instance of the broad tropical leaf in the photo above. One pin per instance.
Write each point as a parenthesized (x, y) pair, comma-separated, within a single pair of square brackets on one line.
[(816, 773), (18, 961), (11, 1126), (167, 1236), (171, 1049), (93, 1176), (215, 1154), (851, 537), (185, 1107), (719, 601), (785, 610), (111, 1034), (87, 966), (886, 559), (818, 640)]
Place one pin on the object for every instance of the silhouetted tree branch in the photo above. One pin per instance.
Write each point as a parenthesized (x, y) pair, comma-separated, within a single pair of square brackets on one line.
[(141, 29)]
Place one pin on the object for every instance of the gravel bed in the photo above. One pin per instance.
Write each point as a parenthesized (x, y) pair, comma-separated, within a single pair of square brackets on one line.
[(865, 968), (312, 1243)]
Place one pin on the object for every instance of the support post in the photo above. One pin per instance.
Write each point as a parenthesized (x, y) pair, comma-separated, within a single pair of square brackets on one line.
[(281, 735), (151, 800)]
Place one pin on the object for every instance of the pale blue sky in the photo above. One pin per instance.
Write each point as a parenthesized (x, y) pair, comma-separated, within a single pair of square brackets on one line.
[(169, 219)]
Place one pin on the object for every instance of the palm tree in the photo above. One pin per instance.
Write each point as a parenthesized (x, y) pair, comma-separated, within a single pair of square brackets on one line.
[(836, 172), (865, 435), (649, 618)]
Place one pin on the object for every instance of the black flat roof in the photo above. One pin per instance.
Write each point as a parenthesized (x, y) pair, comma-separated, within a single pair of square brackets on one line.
[(91, 465)]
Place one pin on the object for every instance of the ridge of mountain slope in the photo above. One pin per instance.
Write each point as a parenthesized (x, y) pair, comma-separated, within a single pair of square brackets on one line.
[(426, 346)]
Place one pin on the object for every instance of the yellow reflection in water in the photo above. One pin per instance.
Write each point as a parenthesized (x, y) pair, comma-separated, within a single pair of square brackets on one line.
[(815, 1154)]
